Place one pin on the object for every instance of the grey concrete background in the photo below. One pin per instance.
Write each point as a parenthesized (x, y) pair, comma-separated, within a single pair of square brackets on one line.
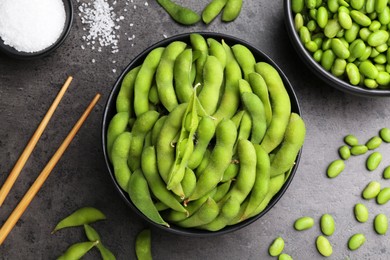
[(27, 89)]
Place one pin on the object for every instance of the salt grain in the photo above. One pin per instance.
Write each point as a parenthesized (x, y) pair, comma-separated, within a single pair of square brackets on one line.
[(31, 25)]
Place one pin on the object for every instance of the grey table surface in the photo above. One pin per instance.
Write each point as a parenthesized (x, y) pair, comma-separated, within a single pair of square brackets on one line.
[(27, 89)]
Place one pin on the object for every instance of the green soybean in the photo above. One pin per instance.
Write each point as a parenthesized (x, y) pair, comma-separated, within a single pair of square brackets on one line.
[(360, 18), (371, 190), (276, 247), (323, 246), (332, 28), (353, 73), (361, 212), (345, 20), (335, 168), (303, 223), (386, 173), (358, 149), (211, 11), (339, 66), (322, 17), (377, 38), (356, 241), (380, 5), (373, 161), (143, 245), (298, 21), (383, 196), (85, 215), (368, 69), (344, 152), (327, 224), (351, 34), (357, 4), (381, 224), (180, 13), (374, 143), (78, 250), (284, 256), (327, 59), (297, 5), (384, 133)]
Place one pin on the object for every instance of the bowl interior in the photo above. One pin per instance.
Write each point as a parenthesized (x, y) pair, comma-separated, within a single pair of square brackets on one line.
[(110, 111), (11, 52), (317, 69)]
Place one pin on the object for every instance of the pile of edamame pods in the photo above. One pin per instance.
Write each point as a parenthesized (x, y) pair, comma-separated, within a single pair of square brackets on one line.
[(349, 38), (203, 136)]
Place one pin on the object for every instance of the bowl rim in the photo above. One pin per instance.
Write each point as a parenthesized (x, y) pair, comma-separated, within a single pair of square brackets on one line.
[(110, 110), (317, 69), (13, 53)]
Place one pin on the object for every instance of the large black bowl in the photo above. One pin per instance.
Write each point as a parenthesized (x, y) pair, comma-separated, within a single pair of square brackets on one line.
[(13, 53), (317, 69), (110, 111)]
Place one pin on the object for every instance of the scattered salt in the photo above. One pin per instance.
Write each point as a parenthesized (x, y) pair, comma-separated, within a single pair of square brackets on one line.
[(31, 25)]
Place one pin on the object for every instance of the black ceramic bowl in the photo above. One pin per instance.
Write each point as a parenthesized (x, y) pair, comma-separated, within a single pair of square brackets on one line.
[(317, 69), (110, 111), (12, 52)]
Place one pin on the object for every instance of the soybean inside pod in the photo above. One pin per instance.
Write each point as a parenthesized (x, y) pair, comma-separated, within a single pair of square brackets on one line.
[(213, 111)]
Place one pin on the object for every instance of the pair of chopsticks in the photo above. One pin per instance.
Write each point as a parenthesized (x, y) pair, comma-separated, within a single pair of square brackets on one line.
[(30, 194)]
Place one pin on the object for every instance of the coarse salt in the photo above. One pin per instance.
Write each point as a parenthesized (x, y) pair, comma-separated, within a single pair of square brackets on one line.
[(31, 25)]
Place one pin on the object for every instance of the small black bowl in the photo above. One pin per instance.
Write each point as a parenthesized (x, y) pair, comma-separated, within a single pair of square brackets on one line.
[(317, 69), (13, 53), (110, 111)]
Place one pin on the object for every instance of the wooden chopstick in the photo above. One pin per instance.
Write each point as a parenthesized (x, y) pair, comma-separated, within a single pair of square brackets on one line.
[(28, 197), (5, 189)]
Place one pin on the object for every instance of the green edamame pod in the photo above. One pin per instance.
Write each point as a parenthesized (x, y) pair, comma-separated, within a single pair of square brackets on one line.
[(293, 140), (93, 236), (156, 184), (212, 82), (117, 125), (259, 87), (261, 185), (245, 59), (206, 213), (144, 79), (232, 10), (78, 250), (226, 134), (164, 74), (230, 98), (231, 172), (139, 194), (157, 128), (189, 182), (200, 48), (281, 106), (142, 125), (217, 50), (125, 98), (182, 76), (212, 10), (245, 128), (119, 155), (179, 13), (143, 245), (221, 190), (205, 133), (85, 215)]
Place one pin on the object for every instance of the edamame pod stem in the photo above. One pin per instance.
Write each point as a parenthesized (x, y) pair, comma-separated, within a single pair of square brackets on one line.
[(217, 50), (125, 96), (164, 74), (142, 126), (212, 82), (117, 125), (259, 87), (156, 184), (228, 211), (255, 108), (205, 133), (281, 106), (293, 140), (85, 215), (199, 46), (182, 76), (139, 194), (179, 13), (232, 10), (245, 59), (78, 250), (120, 153), (144, 79), (261, 185), (220, 158), (211, 11), (143, 245), (206, 213), (230, 99)]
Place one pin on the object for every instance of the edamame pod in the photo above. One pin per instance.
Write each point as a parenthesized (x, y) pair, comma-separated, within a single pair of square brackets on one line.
[(189, 182), (182, 76), (217, 50), (293, 140), (119, 155), (231, 172), (199, 47), (206, 213), (93, 236), (78, 250), (281, 106), (117, 125), (125, 98), (245, 58), (212, 10), (144, 79), (164, 74), (221, 190), (143, 245), (255, 108), (226, 134), (259, 87), (179, 13), (232, 10), (139, 194)]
